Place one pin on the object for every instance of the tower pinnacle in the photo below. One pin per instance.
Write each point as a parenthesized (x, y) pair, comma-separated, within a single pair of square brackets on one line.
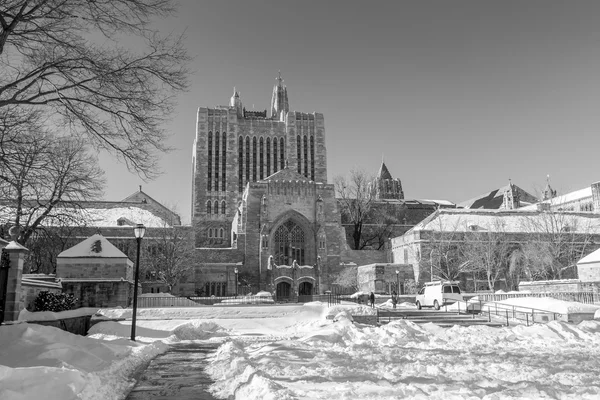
[(279, 101)]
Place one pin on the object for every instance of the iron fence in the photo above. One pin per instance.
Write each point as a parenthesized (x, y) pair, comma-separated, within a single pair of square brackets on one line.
[(581, 297)]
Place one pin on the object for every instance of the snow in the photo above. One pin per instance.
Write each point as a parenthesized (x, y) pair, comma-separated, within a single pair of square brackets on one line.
[(311, 351)]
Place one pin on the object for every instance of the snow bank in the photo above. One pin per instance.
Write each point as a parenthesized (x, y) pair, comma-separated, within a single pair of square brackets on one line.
[(25, 315), (406, 360), (41, 362)]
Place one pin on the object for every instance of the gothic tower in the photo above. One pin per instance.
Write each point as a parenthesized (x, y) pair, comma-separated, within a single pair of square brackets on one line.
[(234, 147), (279, 101), (386, 187)]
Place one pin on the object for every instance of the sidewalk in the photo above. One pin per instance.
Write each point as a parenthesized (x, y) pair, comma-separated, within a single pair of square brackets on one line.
[(177, 374)]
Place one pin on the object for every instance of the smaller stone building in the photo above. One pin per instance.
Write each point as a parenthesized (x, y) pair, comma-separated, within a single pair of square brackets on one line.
[(97, 273), (386, 278)]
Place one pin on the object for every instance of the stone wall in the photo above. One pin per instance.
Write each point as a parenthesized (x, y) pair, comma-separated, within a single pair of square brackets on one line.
[(565, 285), (382, 278), (100, 293), (88, 268)]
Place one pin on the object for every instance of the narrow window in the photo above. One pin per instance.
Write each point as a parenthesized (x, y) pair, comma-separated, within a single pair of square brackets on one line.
[(268, 156), (210, 232), (312, 158), (223, 207), (305, 156), (222, 233), (298, 153), (274, 155), (262, 159), (217, 137), (216, 210), (208, 206), (282, 154), (247, 159), (224, 161), (240, 164), (209, 179), (254, 159)]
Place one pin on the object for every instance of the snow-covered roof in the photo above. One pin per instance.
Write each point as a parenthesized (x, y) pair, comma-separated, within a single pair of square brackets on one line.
[(463, 220), (100, 217), (576, 195), (96, 246), (593, 257)]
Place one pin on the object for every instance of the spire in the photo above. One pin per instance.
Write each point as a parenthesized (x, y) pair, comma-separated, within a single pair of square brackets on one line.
[(237, 103), (279, 101), (383, 173), (548, 191)]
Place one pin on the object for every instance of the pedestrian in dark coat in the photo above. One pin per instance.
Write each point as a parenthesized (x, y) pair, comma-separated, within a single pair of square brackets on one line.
[(394, 299), (372, 299)]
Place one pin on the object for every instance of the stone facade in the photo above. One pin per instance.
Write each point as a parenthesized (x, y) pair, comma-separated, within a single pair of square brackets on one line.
[(383, 279), (234, 147), (97, 273)]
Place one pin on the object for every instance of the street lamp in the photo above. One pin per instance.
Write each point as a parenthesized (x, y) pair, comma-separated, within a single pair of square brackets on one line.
[(236, 281), (398, 282), (138, 232)]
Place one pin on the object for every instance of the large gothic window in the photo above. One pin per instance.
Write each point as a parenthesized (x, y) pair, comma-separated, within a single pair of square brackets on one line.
[(289, 244), (247, 159), (217, 160), (299, 152), (312, 158), (240, 164), (254, 159), (209, 178), (262, 158), (224, 162)]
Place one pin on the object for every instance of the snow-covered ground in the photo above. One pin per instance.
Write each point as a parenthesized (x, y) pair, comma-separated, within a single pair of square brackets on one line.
[(296, 352)]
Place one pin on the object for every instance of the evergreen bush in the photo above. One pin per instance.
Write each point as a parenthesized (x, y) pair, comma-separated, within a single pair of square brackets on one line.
[(55, 302)]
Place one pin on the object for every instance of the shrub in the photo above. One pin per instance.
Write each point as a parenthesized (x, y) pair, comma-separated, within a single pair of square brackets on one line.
[(47, 301)]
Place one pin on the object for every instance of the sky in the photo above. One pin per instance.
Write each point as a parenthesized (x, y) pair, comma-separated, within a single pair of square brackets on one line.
[(457, 97), (309, 351)]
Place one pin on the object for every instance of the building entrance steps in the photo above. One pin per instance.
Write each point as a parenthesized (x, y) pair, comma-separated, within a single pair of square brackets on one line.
[(177, 374)]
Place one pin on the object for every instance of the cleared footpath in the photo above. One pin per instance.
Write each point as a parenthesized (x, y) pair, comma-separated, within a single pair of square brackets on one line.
[(176, 374)]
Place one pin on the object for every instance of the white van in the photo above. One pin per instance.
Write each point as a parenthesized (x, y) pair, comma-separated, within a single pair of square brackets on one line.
[(437, 294)]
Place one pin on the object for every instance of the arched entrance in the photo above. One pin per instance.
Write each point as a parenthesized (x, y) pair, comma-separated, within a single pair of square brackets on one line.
[(289, 244), (305, 292), (283, 291)]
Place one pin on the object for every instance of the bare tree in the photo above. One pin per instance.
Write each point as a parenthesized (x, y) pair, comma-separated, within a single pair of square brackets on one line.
[(66, 61), (379, 227), (43, 179), (169, 255), (556, 241), (444, 256), (488, 252), (347, 278), (356, 199)]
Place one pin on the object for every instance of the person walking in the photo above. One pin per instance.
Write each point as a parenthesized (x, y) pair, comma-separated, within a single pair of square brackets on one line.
[(372, 299), (394, 299)]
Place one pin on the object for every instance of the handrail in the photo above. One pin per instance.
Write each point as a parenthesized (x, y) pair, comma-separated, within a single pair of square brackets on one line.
[(522, 313)]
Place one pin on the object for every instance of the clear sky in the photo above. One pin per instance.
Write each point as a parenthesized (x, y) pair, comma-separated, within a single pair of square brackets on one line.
[(457, 96)]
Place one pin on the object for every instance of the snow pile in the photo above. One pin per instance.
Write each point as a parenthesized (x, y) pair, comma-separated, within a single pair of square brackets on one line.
[(25, 315), (198, 330), (405, 360), (549, 304), (40, 362)]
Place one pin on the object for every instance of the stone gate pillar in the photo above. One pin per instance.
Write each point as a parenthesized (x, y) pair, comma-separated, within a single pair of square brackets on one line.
[(14, 304)]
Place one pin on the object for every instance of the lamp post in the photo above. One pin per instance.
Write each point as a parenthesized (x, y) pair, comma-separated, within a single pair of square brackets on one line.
[(398, 282), (236, 281), (138, 231)]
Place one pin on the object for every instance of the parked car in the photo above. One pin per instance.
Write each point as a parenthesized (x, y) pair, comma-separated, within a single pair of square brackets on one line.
[(438, 294)]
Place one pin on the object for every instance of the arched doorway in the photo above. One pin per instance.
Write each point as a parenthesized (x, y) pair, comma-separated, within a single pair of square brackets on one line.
[(305, 292), (283, 291), (289, 244)]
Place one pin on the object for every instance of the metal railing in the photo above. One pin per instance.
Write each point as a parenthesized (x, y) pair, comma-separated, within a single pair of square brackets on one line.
[(581, 297), (528, 314)]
